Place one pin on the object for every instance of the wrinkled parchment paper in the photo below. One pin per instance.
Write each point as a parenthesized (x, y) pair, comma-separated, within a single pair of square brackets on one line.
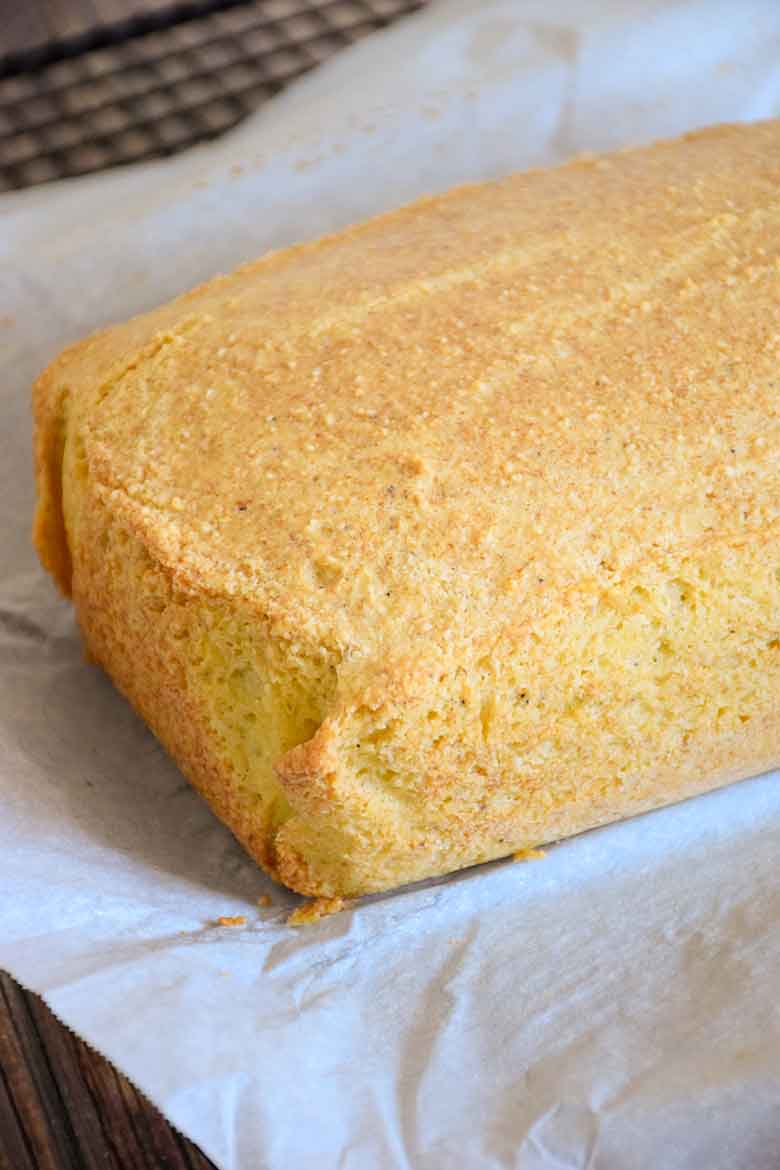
[(613, 1005)]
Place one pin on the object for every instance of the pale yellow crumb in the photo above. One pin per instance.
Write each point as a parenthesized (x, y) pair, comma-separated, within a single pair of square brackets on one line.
[(265, 900), (315, 910), (231, 920), (528, 855)]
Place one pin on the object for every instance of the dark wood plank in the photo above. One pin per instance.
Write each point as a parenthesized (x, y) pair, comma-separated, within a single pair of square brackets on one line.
[(62, 1107), (60, 1053), (32, 1089), (14, 1152)]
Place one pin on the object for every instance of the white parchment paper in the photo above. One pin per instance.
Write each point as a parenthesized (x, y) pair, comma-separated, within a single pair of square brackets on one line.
[(611, 1006)]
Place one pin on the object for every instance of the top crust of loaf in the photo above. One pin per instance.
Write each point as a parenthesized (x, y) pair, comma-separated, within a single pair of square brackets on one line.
[(457, 400)]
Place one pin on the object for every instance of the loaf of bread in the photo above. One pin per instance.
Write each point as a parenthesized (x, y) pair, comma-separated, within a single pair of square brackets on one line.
[(454, 533)]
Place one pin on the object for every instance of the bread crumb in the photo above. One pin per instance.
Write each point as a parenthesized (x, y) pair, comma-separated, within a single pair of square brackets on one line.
[(315, 910), (265, 900), (528, 855), (231, 920)]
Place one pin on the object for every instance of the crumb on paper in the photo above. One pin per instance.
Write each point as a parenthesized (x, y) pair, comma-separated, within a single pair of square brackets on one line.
[(231, 920), (528, 855), (313, 911), (265, 900)]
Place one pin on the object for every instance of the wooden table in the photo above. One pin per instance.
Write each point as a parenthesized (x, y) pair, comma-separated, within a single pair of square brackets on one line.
[(62, 1107)]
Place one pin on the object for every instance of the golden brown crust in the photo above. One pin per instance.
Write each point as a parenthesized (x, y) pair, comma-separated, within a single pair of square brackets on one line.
[(453, 533), (319, 908), (49, 399)]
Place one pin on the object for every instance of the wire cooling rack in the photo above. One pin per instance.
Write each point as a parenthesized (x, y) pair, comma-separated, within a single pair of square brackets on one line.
[(163, 80)]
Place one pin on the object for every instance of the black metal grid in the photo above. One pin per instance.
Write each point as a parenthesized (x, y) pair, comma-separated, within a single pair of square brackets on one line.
[(163, 81)]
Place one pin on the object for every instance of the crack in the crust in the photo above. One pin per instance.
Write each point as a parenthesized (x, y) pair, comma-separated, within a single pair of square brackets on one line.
[(157, 344)]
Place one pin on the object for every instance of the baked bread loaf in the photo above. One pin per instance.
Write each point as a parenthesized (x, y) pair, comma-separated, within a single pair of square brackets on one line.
[(453, 533)]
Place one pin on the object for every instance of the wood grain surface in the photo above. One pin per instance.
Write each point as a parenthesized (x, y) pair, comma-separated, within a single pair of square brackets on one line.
[(62, 1107)]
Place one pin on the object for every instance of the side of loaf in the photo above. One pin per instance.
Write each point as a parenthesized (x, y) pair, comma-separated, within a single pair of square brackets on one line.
[(454, 533)]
